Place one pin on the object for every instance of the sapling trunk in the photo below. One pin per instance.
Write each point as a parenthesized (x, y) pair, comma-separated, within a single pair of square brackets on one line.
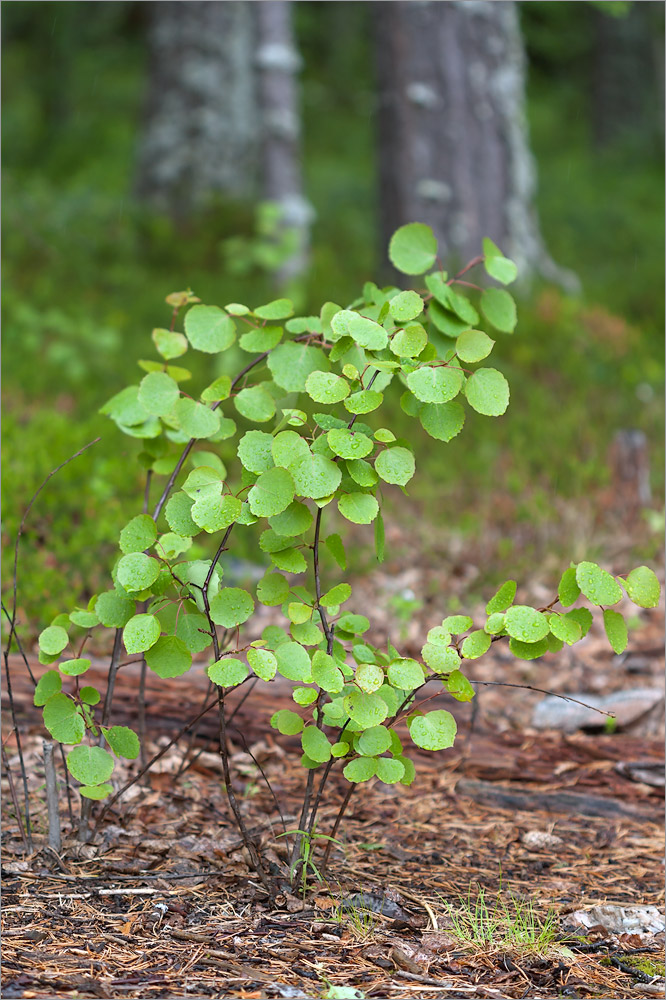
[(51, 796)]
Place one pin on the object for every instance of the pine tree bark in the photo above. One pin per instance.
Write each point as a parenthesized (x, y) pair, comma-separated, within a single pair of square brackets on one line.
[(453, 139)]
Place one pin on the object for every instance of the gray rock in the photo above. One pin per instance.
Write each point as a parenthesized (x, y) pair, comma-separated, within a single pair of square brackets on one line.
[(627, 707)]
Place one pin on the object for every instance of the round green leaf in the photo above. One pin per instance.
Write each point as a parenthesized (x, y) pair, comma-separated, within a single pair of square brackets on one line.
[(441, 659), (495, 623), (194, 419), (568, 590), (528, 650), (254, 451), (178, 512), (487, 392), (459, 687), (217, 390), (369, 677), (442, 421), (364, 401), (642, 586), (62, 719), (457, 624), (348, 443), (360, 769), (499, 309), (272, 589), (315, 477), (315, 744), (597, 585), (214, 512), (390, 770), (336, 595), (231, 606), (90, 765), (258, 341), (616, 630), (413, 248), (48, 684), (473, 345), (366, 709), (435, 385), (123, 741), (375, 740), (405, 674), (325, 672), (158, 393), (263, 662), (304, 696), (74, 668), (293, 662), (565, 628), (169, 345), (277, 309), (169, 656), (434, 730), (138, 534), (288, 448), (360, 508), (137, 571), (140, 633), (291, 364), (52, 640), (293, 521), (475, 645), (255, 403), (228, 672), (503, 599), (409, 343), (526, 624), (209, 329), (362, 472), (113, 609), (405, 306), (287, 722), (367, 333), (439, 636), (272, 493), (395, 465), (96, 792), (497, 266), (325, 387), (84, 619)]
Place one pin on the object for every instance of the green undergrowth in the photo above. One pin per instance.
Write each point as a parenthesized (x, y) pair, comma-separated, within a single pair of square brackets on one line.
[(502, 922)]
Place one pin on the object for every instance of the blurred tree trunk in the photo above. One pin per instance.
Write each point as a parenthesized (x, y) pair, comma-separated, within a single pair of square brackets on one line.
[(453, 141), (222, 112)]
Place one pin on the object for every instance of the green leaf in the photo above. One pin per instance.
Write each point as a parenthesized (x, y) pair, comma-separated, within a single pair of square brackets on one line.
[(125, 407), (497, 266), (525, 623), (194, 419), (336, 595), (179, 517), (137, 571), (293, 662), (209, 329), (336, 547), (457, 624), (356, 624), (325, 387), (89, 695), (568, 590), (642, 586), (289, 561), (90, 765), (114, 610), (439, 636), (96, 792), (258, 341), (348, 443), (565, 628), (364, 401), (390, 770), (254, 451), (263, 662), (366, 333), (375, 740), (140, 633), (360, 508), (499, 309), (291, 364), (458, 686), (48, 684), (228, 672), (255, 403), (413, 248), (74, 668), (287, 722), (495, 623), (360, 769), (277, 309), (441, 659), (293, 521), (203, 480), (307, 634), (406, 306), (169, 345), (503, 599), (409, 343), (395, 465), (288, 448), (231, 606), (62, 719), (315, 477), (52, 640), (369, 677), (473, 345), (616, 630), (445, 321), (315, 744), (169, 656), (366, 709), (326, 673), (123, 741), (380, 537), (475, 645), (528, 650), (435, 385), (158, 393), (84, 619), (272, 589), (442, 421), (272, 493), (213, 512), (584, 618), (597, 585), (405, 674), (434, 730), (487, 392), (138, 534), (217, 390)]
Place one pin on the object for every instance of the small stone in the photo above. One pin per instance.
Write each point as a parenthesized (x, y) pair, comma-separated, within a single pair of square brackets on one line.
[(540, 840)]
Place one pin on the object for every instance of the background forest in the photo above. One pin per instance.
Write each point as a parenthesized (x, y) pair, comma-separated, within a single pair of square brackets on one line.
[(95, 237)]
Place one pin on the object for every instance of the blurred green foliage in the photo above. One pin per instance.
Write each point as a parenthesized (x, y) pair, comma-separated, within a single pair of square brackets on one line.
[(86, 269)]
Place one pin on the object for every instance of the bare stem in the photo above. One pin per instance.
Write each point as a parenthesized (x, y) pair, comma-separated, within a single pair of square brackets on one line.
[(12, 792), (338, 819), (55, 840)]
